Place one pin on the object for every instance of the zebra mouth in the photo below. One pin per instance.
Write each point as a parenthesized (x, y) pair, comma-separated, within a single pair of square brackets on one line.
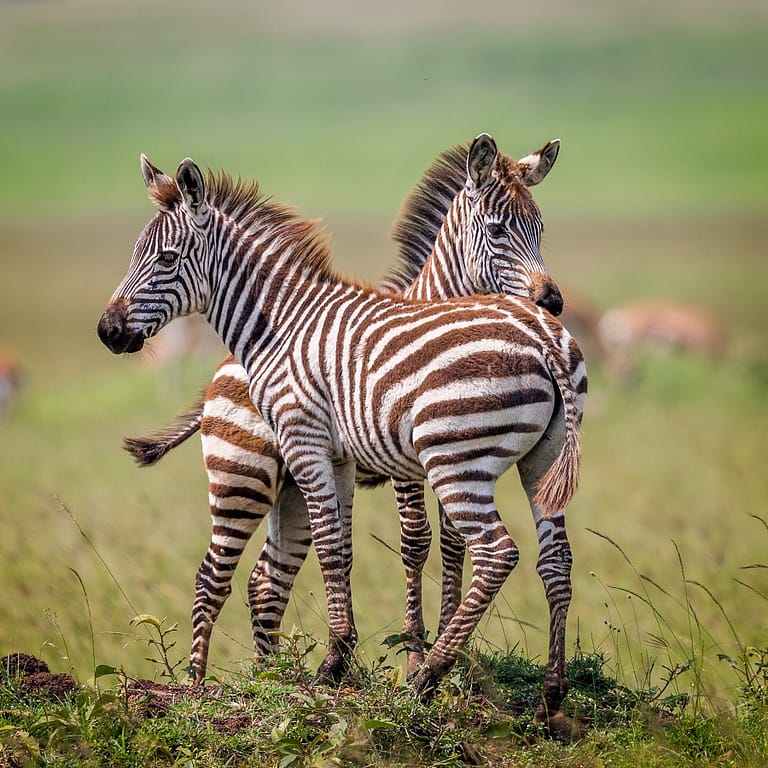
[(550, 298), (134, 344), (124, 344)]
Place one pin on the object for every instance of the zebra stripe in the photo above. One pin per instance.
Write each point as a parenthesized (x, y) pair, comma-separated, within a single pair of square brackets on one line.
[(297, 389)]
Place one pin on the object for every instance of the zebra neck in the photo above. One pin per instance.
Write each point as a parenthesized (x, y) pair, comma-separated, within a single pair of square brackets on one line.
[(263, 281), (444, 273)]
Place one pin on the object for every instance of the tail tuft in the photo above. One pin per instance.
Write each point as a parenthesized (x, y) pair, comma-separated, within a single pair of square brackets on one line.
[(150, 449), (146, 450), (556, 489)]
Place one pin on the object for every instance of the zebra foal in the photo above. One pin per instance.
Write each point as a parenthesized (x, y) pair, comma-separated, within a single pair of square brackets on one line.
[(452, 391), (439, 256)]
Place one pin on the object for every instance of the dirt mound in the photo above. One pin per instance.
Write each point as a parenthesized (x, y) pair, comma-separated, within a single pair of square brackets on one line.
[(20, 664), (35, 678), (155, 699)]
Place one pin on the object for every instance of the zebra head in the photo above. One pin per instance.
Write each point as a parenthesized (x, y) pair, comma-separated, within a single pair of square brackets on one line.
[(166, 276), (503, 233)]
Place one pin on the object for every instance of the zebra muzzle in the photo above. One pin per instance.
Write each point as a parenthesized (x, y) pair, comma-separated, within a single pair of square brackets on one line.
[(113, 331), (545, 293)]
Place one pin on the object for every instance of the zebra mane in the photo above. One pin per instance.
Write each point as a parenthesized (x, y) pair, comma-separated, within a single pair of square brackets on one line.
[(244, 202), (255, 212), (422, 214)]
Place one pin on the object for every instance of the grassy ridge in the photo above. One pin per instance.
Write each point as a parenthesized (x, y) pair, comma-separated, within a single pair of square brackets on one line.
[(270, 717)]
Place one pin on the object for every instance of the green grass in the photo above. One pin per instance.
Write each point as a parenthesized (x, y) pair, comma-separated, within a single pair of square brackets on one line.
[(271, 717), (663, 115)]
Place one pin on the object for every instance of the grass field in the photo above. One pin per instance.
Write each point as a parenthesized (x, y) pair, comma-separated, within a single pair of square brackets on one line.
[(659, 190)]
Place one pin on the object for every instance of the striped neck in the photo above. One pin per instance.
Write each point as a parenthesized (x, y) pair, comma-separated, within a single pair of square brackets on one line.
[(262, 277), (444, 273)]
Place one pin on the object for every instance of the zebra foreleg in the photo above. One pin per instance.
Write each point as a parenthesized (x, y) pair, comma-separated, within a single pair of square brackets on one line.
[(328, 490), (415, 540), (285, 550)]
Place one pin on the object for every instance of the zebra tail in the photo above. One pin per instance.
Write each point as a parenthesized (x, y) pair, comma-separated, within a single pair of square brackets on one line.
[(150, 449), (556, 488)]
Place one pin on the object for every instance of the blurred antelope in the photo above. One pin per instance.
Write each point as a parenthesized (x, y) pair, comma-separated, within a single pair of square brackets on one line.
[(189, 336), (626, 331), (10, 381)]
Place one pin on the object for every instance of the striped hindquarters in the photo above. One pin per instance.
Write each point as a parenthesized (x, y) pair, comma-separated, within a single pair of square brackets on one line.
[(241, 455)]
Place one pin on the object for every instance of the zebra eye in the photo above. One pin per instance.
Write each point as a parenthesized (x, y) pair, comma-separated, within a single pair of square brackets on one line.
[(168, 258), (496, 230)]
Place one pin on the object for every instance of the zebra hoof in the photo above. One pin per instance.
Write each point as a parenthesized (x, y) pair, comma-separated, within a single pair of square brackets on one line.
[(330, 672), (425, 684), (558, 725)]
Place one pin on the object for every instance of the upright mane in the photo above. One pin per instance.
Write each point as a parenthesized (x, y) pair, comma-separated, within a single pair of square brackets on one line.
[(422, 214), (243, 202), (254, 212)]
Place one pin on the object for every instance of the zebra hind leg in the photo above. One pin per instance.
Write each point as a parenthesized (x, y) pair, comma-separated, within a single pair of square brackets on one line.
[(494, 555), (284, 552), (232, 528), (415, 540), (554, 569), (452, 550), (553, 566)]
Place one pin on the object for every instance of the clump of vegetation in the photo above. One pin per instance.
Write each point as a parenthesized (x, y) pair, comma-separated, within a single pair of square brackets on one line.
[(272, 716), (482, 714)]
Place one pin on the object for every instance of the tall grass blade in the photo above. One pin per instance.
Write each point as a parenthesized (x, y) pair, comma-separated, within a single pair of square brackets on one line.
[(90, 619)]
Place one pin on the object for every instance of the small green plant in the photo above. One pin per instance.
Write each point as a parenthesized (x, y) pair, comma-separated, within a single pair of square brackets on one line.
[(291, 664), (160, 641)]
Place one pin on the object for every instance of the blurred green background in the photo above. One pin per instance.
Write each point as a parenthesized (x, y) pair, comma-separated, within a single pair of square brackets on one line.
[(659, 191)]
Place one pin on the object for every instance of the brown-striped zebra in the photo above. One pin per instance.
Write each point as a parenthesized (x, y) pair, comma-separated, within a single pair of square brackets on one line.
[(244, 465), (452, 391)]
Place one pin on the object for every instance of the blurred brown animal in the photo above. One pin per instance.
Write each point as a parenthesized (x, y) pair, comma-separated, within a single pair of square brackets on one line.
[(629, 330), (10, 381), (189, 336)]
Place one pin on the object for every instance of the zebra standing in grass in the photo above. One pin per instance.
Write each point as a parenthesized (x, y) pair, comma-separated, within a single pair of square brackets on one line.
[(454, 391), (243, 462)]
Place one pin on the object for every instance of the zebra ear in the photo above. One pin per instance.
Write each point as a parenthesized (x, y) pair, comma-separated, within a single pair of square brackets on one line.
[(481, 160), (190, 182), (536, 166), (160, 187)]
